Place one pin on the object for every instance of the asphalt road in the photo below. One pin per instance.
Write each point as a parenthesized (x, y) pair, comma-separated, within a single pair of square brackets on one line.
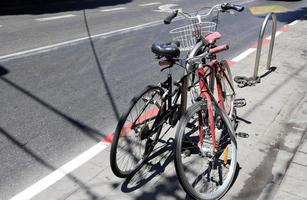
[(57, 101)]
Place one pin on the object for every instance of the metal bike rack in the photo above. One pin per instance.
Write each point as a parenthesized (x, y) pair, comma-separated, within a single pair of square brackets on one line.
[(260, 39), (254, 79)]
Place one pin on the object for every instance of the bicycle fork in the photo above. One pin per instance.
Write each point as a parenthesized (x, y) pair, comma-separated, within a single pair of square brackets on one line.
[(205, 92)]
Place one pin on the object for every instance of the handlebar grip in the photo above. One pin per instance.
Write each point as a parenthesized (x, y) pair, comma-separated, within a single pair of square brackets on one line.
[(228, 6), (218, 49), (169, 18)]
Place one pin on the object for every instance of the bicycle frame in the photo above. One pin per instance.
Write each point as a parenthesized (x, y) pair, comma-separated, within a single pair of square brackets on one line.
[(169, 105), (207, 92)]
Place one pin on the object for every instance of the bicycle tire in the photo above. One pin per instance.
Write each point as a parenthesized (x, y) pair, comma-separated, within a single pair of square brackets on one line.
[(187, 146), (144, 139), (228, 92)]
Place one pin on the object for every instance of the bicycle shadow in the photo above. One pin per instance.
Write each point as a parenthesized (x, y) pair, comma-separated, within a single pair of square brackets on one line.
[(157, 162), (3, 71), (166, 184), (155, 167)]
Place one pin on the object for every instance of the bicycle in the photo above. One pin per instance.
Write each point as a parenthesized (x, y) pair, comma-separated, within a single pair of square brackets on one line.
[(159, 105), (206, 134), (147, 126), (207, 129), (142, 123)]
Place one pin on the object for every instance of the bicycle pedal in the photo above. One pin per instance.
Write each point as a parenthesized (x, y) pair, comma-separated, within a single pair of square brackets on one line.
[(242, 135), (239, 103)]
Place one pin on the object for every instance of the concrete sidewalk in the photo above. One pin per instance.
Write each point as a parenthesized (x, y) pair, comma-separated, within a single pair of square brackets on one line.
[(293, 185), (273, 158)]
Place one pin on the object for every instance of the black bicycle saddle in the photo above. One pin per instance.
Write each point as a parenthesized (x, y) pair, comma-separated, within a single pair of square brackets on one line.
[(168, 50)]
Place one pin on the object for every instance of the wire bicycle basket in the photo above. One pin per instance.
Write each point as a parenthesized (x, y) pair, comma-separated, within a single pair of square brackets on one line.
[(188, 35)]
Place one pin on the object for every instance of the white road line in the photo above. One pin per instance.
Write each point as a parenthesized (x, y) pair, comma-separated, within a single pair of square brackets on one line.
[(149, 4), (0, 26), (278, 33), (57, 45), (54, 18), (113, 9), (243, 55), (55, 176), (166, 8)]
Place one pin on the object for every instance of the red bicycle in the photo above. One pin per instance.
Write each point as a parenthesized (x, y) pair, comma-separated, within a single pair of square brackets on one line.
[(206, 148)]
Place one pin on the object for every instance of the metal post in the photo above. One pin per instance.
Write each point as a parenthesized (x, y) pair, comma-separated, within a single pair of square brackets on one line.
[(260, 39), (274, 25)]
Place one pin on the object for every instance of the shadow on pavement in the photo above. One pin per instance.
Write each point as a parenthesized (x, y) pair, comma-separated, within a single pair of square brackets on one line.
[(100, 69), (167, 185), (44, 163), (155, 166), (3, 71), (91, 132), (37, 7)]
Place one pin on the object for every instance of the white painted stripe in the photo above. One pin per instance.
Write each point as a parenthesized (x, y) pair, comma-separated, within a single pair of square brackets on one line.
[(0, 26), (278, 33), (294, 22), (113, 9), (58, 174), (54, 18), (57, 45), (243, 55), (150, 4)]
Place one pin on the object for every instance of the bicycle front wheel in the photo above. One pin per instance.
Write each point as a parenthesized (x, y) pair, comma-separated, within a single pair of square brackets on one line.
[(136, 134), (227, 89), (205, 173)]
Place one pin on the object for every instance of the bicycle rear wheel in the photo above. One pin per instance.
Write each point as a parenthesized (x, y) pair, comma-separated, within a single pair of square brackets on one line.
[(203, 173), (135, 134)]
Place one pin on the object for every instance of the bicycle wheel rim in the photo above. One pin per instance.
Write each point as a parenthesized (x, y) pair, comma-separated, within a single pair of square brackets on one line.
[(227, 89), (185, 170), (128, 151)]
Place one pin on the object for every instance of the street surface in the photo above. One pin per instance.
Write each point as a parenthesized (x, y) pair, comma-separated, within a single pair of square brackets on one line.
[(66, 75)]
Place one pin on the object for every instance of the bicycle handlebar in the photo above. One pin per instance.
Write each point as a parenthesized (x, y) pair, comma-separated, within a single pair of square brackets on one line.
[(228, 6), (169, 18), (220, 7)]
